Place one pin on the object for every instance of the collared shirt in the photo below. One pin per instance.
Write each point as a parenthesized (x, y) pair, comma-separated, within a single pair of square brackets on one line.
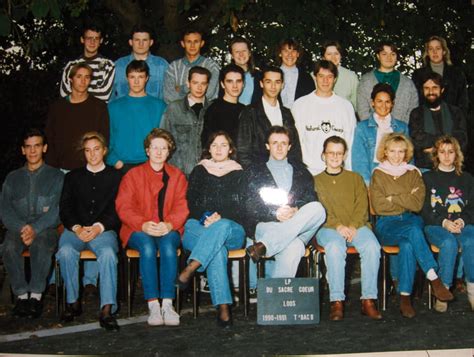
[(90, 169), (384, 126), (289, 90), (247, 92), (273, 113)]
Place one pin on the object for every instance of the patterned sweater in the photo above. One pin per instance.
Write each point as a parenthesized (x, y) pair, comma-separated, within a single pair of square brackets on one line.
[(448, 196), (103, 72)]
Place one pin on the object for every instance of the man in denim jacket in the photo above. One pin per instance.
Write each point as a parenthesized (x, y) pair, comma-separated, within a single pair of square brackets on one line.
[(30, 212)]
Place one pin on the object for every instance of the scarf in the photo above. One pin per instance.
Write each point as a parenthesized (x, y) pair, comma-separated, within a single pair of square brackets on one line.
[(397, 171), (446, 121), (384, 126), (220, 169), (392, 78)]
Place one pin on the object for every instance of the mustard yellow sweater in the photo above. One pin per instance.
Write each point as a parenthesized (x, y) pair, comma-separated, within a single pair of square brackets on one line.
[(344, 196), (400, 188)]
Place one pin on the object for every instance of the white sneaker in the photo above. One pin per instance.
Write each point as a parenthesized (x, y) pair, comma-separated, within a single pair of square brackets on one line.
[(440, 306), (156, 317), (253, 296), (470, 294), (236, 295), (170, 317), (204, 285)]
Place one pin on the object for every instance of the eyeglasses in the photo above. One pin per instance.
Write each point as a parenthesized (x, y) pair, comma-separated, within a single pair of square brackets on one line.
[(159, 148), (334, 154)]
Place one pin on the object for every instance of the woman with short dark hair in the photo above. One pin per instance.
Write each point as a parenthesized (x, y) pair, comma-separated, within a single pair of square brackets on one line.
[(368, 133)]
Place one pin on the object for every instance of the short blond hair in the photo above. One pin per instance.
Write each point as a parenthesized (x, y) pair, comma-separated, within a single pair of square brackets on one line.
[(91, 135), (448, 140), (392, 138)]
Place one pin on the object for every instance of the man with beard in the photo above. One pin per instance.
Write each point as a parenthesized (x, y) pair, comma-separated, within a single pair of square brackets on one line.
[(434, 118)]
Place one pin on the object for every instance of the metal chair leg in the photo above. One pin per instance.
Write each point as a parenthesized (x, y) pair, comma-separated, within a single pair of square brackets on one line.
[(384, 281), (129, 288), (430, 297), (308, 266), (245, 285), (195, 296), (57, 279)]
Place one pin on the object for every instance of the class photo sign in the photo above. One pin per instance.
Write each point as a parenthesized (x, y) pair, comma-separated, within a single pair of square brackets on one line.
[(288, 301)]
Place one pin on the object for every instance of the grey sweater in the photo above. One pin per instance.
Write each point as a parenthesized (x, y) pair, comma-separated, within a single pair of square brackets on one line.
[(406, 97)]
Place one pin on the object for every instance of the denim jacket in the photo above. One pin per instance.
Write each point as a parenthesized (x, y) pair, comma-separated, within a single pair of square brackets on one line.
[(363, 147), (181, 121), (31, 197)]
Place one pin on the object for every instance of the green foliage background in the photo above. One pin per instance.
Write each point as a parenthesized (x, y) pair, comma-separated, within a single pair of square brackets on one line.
[(46, 33)]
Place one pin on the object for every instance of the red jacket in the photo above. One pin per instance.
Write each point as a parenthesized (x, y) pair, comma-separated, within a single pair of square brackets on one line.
[(137, 199)]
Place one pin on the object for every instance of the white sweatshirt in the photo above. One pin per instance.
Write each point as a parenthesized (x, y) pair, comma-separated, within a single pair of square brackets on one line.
[(318, 118)]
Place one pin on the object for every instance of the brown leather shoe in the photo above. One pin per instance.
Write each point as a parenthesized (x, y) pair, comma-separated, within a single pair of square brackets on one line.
[(406, 308), (256, 251), (369, 309), (440, 291), (337, 311)]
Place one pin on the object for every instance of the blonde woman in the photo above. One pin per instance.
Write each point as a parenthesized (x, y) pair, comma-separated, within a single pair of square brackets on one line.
[(397, 192)]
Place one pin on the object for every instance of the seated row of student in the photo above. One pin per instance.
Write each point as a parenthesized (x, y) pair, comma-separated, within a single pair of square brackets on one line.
[(87, 211), (448, 213), (397, 191)]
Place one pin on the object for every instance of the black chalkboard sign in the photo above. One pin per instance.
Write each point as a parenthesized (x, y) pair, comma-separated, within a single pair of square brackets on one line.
[(288, 301)]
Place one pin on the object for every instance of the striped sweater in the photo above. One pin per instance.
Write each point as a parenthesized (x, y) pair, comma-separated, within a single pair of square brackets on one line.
[(177, 76), (103, 72)]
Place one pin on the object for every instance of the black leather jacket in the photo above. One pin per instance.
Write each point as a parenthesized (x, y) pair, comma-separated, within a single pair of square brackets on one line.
[(258, 176), (253, 128)]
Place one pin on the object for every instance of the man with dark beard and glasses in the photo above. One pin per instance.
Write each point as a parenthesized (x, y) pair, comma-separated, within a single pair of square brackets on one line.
[(434, 118)]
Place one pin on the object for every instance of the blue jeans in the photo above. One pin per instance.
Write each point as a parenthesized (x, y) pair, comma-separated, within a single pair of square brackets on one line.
[(448, 244), (406, 232), (148, 246), (286, 241), (41, 251), (105, 247), (209, 246), (335, 247)]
